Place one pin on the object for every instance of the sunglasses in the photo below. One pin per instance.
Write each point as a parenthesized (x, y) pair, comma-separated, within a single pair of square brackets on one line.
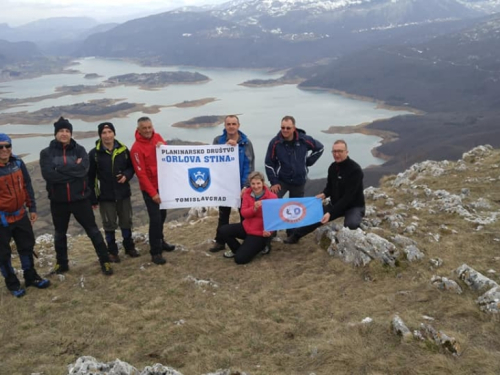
[(286, 128), (5, 146)]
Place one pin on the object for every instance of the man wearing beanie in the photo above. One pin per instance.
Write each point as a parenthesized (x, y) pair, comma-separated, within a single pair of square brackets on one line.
[(64, 165), (16, 196), (109, 175), (146, 168)]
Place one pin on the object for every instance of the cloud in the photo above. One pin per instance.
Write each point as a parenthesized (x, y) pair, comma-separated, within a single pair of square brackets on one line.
[(23, 11)]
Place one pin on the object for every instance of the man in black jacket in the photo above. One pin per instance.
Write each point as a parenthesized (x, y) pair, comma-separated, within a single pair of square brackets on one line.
[(64, 165), (109, 174), (344, 187)]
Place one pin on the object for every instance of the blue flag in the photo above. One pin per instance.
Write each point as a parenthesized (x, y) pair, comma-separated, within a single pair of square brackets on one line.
[(291, 212)]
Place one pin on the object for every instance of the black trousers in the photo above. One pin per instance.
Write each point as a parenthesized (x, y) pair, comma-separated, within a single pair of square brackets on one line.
[(84, 215), (157, 218), (22, 233), (224, 214), (352, 220), (246, 251)]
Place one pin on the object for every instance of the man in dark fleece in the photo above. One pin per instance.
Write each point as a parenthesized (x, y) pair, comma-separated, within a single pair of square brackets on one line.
[(110, 171), (344, 187), (64, 165)]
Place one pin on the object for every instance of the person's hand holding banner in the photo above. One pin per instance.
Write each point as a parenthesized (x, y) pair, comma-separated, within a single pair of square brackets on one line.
[(291, 212)]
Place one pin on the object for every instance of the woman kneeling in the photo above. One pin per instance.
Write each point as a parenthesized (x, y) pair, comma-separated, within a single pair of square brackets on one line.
[(251, 230)]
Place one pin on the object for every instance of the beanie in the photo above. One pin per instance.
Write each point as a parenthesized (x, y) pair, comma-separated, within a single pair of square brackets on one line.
[(104, 125), (5, 138), (62, 123)]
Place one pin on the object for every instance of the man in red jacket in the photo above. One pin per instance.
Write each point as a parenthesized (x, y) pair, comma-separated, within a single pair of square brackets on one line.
[(143, 153)]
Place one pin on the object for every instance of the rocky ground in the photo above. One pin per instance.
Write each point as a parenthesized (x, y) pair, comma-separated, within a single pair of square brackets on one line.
[(414, 291)]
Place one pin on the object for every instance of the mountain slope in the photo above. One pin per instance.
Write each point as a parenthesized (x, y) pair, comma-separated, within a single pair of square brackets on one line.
[(276, 33)]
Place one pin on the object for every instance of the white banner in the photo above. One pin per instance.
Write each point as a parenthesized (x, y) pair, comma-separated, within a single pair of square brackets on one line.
[(193, 176)]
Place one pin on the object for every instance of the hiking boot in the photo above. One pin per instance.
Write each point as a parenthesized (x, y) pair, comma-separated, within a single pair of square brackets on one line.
[(217, 247), (18, 292), (229, 254), (128, 244), (266, 250), (132, 253), (31, 278), (158, 259), (165, 246), (106, 268), (59, 269), (114, 258), (292, 239)]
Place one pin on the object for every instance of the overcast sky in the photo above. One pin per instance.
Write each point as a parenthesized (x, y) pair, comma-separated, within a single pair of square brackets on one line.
[(17, 12)]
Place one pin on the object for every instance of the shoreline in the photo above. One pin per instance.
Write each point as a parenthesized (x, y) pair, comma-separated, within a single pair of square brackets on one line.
[(380, 103)]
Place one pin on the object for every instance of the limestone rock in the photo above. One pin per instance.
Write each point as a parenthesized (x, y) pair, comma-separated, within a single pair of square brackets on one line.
[(413, 253), (490, 301), (436, 262), (400, 328), (443, 283), (358, 248), (446, 342), (477, 153), (159, 369), (475, 280), (196, 213), (87, 365)]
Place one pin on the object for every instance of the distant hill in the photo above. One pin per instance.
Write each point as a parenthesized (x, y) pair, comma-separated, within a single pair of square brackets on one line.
[(277, 34), (11, 53), (454, 78)]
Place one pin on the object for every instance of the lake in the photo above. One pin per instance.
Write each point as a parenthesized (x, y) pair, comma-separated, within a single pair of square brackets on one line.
[(260, 109)]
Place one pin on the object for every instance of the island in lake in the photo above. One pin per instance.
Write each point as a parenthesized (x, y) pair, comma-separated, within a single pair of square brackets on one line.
[(194, 103), (92, 76), (200, 122), (94, 110), (156, 80), (272, 82)]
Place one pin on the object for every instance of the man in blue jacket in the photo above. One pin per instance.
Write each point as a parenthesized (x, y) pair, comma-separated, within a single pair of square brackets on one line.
[(109, 174), (288, 158), (64, 165), (232, 136)]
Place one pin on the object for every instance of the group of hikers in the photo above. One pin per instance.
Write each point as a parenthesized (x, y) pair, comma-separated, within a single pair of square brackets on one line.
[(78, 182)]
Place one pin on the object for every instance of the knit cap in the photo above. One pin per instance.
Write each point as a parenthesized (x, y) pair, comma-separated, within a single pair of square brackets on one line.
[(62, 123), (105, 125)]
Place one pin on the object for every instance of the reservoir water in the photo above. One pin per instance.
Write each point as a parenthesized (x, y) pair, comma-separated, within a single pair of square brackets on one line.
[(260, 109)]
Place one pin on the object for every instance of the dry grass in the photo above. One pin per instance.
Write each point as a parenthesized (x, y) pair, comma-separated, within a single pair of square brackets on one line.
[(296, 311)]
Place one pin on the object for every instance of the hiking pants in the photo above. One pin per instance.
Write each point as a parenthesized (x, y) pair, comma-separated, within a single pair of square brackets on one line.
[(84, 215), (157, 218), (22, 233), (114, 214), (246, 251), (352, 220), (224, 214)]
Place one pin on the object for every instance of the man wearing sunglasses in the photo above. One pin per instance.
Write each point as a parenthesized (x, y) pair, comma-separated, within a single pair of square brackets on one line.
[(289, 155), (344, 187), (16, 198)]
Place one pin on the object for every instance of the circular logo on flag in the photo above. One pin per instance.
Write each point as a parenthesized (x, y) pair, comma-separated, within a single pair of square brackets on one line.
[(292, 212)]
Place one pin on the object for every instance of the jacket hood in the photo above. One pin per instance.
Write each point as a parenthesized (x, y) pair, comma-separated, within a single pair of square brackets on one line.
[(243, 137), (299, 133)]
